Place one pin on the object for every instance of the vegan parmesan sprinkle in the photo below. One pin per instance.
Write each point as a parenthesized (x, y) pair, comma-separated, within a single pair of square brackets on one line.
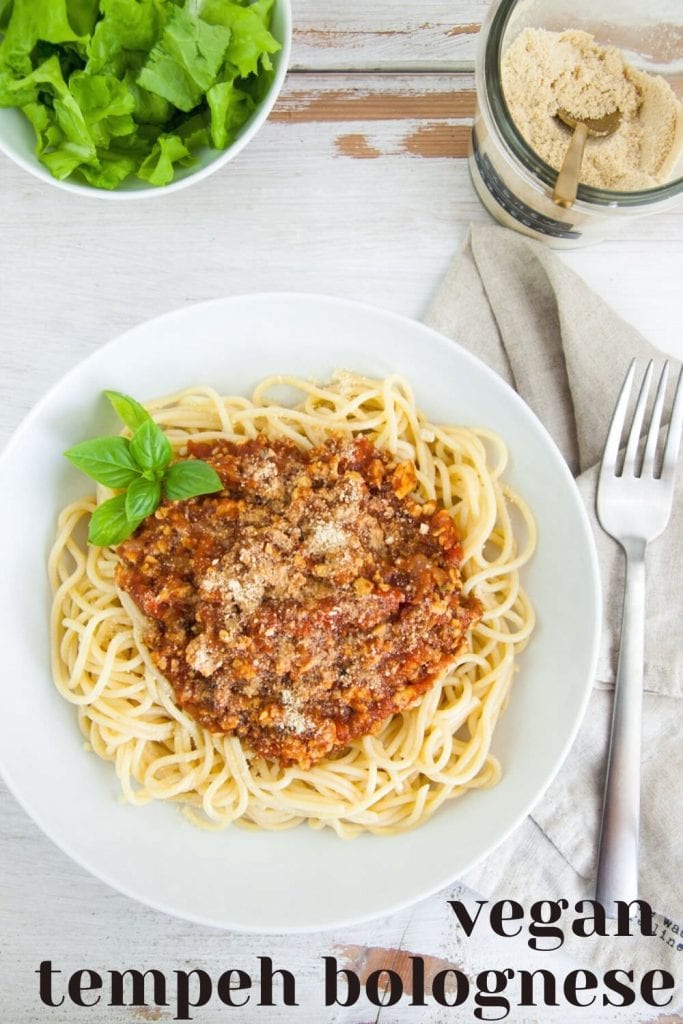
[(304, 604), (543, 71)]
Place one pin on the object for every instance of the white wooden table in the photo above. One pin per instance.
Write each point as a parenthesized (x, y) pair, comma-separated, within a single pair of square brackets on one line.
[(357, 186)]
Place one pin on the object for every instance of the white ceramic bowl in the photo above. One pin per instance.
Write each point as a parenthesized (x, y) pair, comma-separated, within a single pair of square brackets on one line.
[(17, 138), (298, 880)]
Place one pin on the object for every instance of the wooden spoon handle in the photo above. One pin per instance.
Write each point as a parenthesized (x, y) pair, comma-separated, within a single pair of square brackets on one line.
[(567, 182)]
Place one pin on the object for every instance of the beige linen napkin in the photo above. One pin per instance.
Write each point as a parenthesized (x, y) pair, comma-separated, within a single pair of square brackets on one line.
[(514, 304)]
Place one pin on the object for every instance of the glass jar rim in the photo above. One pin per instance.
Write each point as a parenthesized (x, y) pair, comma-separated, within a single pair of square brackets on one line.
[(490, 54)]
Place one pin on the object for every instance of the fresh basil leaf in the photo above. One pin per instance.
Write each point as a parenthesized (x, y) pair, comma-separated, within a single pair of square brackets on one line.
[(189, 479), (150, 447), (108, 460), (131, 412), (142, 497), (109, 524)]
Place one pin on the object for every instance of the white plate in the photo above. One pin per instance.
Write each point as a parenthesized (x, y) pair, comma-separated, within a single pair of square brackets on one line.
[(297, 880)]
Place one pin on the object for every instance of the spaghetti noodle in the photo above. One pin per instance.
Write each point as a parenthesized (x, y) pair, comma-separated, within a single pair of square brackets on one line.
[(428, 753)]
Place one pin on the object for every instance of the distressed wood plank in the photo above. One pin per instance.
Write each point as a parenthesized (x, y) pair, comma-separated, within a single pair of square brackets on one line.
[(380, 229), (380, 115), (432, 34), (375, 98)]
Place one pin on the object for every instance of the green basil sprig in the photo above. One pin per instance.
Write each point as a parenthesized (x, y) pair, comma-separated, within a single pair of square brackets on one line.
[(141, 468)]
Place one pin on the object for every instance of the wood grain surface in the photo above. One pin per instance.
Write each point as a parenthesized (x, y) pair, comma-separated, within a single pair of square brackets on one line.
[(357, 186), (434, 34)]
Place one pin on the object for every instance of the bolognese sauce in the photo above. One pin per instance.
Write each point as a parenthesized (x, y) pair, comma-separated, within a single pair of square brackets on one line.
[(305, 603)]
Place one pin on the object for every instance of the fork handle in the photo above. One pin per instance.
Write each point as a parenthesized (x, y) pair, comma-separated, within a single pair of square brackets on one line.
[(617, 877)]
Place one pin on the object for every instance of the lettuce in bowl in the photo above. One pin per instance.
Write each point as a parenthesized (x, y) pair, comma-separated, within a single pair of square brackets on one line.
[(131, 90)]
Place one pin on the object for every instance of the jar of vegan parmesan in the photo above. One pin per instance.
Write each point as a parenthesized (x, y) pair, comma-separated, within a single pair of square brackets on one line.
[(536, 56)]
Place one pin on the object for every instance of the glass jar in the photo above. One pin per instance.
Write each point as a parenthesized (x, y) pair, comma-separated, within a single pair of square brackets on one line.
[(512, 181)]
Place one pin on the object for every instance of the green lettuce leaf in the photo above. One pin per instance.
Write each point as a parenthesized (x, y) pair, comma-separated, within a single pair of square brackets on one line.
[(149, 108), (34, 21), (251, 42), (126, 33), (158, 168), (46, 81), (5, 7), (41, 119), (109, 170), (185, 62), (194, 133), (230, 109), (106, 105), (82, 15), (64, 160)]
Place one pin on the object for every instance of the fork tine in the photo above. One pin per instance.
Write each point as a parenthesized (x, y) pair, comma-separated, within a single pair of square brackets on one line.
[(609, 457), (673, 437), (636, 425), (655, 421)]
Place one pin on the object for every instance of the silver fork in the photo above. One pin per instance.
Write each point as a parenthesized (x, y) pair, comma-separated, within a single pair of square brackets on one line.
[(634, 506)]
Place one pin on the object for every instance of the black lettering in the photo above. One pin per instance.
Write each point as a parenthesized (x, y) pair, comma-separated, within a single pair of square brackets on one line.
[(288, 984), (648, 987), (204, 990), (137, 980), (376, 990), (439, 990), (466, 921), (225, 987), (331, 982), (77, 986), (572, 987), (418, 972), (499, 918), (542, 924), (625, 913), (611, 981), (45, 972), (526, 988), (596, 918), (488, 993)]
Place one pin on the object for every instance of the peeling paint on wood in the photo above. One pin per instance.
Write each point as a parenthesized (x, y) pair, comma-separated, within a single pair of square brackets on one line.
[(148, 1013), (389, 34), (433, 141), (463, 30), (364, 960), (356, 146), (332, 38), (438, 140), (364, 105)]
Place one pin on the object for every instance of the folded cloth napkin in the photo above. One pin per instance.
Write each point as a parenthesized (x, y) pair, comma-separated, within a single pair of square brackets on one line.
[(517, 306)]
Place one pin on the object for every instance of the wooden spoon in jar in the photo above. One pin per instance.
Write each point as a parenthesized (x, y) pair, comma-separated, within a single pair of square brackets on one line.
[(567, 182)]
